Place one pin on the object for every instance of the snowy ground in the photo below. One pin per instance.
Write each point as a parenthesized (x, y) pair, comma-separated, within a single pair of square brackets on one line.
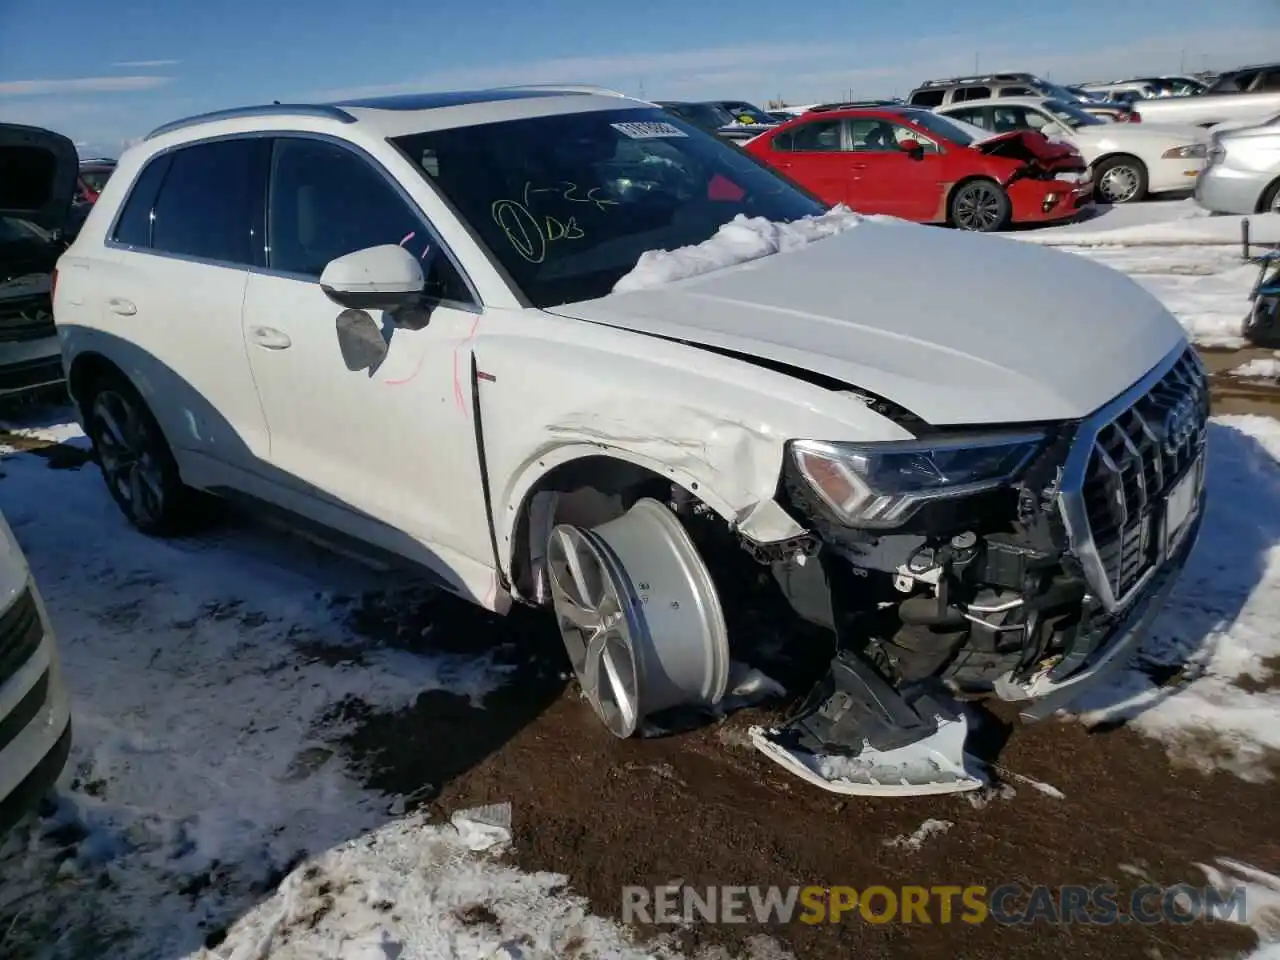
[(208, 811)]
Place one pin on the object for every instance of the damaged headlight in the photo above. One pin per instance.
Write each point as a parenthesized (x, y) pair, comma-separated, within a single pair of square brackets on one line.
[(1192, 152), (882, 484)]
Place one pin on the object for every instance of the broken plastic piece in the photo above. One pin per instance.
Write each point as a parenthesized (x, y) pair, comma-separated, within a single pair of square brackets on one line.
[(480, 828)]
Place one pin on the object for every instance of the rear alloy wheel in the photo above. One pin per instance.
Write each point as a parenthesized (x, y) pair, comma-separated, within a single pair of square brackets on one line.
[(137, 464), (1120, 180), (1270, 199), (980, 206)]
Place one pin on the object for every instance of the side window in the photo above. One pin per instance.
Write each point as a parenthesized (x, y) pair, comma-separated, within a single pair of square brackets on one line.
[(133, 227), (974, 115), (1014, 92), (820, 136), (1270, 81), (971, 93), (1006, 119), (209, 201), (901, 134), (326, 202), (927, 98)]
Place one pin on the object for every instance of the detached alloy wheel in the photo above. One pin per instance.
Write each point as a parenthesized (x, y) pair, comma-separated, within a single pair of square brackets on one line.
[(980, 206), (1120, 180), (137, 464)]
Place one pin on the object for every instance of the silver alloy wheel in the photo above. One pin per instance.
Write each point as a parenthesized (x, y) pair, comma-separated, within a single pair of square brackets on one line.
[(598, 636), (1275, 203), (1119, 184), (977, 206), (125, 451)]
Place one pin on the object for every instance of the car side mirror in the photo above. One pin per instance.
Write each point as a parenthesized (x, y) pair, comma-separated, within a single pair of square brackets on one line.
[(913, 148), (386, 277)]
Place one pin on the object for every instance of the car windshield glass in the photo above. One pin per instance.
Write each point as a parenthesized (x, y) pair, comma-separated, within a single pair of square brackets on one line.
[(754, 114), (567, 204), (1072, 115), (95, 179), (946, 127), (1057, 92), (13, 230), (704, 114)]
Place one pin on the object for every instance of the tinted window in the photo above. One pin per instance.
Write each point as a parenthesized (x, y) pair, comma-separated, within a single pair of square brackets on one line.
[(134, 226), (975, 115), (972, 93), (207, 202), (327, 202), (1270, 81), (1015, 92), (567, 204), (943, 128), (820, 136), (927, 98)]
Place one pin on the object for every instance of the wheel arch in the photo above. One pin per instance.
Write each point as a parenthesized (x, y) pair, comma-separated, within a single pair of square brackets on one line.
[(84, 369), (584, 485), (964, 181), (1267, 196)]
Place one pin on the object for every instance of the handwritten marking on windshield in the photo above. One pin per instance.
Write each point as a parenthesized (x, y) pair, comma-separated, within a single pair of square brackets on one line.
[(523, 231), (568, 191), (563, 231)]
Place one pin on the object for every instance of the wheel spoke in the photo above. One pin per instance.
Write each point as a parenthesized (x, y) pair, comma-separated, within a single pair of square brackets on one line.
[(623, 689)]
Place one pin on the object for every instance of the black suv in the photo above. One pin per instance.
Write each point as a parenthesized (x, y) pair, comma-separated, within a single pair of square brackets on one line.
[(38, 171)]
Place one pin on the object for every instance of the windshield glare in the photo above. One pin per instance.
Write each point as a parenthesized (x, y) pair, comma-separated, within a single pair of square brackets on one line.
[(567, 204), (1071, 115), (947, 127)]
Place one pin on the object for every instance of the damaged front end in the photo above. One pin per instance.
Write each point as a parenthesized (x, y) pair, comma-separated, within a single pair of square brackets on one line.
[(1021, 564), (1041, 158)]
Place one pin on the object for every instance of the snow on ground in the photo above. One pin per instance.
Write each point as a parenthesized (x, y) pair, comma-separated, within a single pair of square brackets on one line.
[(1223, 710), (1156, 222), (204, 686), (1259, 368)]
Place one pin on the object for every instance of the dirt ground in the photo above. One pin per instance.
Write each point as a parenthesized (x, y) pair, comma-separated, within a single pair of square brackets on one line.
[(703, 808)]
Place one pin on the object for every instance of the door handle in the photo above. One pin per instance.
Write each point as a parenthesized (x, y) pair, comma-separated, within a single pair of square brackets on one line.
[(270, 338), (857, 166), (126, 308)]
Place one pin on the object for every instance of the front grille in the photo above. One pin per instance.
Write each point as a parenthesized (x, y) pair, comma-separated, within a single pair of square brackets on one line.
[(1133, 454), (20, 634)]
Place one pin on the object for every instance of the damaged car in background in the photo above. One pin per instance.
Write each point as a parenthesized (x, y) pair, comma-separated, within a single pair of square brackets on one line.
[(647, 379)]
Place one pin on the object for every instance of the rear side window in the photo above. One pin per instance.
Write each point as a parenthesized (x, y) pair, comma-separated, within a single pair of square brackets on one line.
[(971, 93), (209, 202), (1014, 92), (927, 98), (134, 226), (820, 136)]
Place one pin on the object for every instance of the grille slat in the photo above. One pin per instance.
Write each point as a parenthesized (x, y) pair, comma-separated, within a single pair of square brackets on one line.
[(1135, 459), (20, 635)]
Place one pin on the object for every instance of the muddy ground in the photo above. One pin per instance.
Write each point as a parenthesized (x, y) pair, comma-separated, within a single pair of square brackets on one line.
[(703, 808)]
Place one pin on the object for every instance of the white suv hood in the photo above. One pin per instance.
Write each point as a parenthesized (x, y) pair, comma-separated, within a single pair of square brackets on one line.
[(957, 328)]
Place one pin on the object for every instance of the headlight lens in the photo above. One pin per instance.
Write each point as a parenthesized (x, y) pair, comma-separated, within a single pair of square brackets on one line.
[(1192, 151), (881, 485)]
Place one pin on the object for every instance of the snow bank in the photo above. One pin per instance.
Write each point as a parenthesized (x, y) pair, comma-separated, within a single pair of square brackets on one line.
[(1155, 223), (738, 241), (1220, 623), (1259, 368)]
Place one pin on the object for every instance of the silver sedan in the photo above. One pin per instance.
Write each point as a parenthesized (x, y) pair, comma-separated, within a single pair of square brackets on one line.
[(1242, 173)]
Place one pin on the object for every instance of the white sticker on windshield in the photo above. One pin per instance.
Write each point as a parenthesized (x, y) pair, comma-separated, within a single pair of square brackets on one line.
[(648, 129)]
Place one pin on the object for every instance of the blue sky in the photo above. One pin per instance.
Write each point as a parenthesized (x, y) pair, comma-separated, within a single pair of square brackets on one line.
[(106, 73)]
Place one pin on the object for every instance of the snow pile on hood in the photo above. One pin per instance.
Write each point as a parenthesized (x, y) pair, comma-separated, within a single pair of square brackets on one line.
[(738, 241)]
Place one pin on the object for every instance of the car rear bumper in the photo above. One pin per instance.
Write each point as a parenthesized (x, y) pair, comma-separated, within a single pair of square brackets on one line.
[(30, 365), (35, 712), (1223, 190)]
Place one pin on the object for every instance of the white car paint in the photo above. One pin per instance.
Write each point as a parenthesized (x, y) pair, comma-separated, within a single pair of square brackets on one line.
[(242, 370), (1149, 142), (1206, 110), (31, 758)]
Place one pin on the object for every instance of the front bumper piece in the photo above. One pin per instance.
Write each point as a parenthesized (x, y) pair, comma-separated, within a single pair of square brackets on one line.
[(857, 735)]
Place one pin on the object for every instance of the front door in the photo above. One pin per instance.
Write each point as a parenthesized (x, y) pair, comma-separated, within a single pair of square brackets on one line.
[(385, 453), (889, 180)]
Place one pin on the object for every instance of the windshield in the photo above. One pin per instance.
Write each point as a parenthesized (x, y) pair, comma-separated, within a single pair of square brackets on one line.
[(1059, 93), (741, 111), (946, 127), (1072, 115), (703, 114), (567, 204)]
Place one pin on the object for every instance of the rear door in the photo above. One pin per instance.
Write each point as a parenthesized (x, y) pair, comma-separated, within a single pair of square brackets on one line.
[(170, 303), (816, 155)]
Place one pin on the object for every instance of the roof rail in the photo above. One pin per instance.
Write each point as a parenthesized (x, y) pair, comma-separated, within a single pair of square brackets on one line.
[(566, 88), (855, 104), (984, 77), (323, 111)]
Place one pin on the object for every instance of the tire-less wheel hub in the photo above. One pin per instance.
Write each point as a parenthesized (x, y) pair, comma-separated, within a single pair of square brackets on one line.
[(639, 616)]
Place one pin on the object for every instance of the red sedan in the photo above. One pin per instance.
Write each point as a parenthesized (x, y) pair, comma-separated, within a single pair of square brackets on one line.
[(912, 163)]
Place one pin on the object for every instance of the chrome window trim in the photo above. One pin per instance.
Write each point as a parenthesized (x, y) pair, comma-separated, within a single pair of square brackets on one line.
[(1071, 504), (476, 306)]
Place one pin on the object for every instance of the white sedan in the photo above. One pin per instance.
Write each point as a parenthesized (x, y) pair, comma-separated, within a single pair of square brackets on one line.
[(1128, 161)]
